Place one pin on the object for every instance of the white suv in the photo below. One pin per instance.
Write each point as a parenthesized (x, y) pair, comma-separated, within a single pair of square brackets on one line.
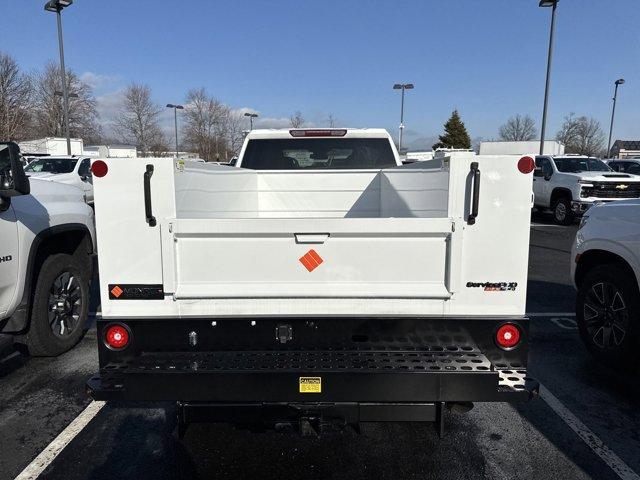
[(69, 169), (606, 272), (570, 184)]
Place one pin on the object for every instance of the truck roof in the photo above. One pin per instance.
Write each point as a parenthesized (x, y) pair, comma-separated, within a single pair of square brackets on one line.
[(276, 133)]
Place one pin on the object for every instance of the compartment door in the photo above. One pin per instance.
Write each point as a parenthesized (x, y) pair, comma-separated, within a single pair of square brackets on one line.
[(293, 257)]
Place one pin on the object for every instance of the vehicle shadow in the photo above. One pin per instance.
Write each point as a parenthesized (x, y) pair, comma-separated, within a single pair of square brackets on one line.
[(141, 446), (549, 297)]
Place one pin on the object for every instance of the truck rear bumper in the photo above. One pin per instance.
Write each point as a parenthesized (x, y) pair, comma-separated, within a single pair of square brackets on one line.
[(319, 361), (312, 376)]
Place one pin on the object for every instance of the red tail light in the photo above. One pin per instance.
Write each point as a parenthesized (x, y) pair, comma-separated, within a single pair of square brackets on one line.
[(508, 336), (319, 133), (116, 337), (99, 168), (526, 165)]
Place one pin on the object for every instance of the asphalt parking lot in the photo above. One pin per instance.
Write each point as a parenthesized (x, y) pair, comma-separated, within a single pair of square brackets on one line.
[(585, 425)]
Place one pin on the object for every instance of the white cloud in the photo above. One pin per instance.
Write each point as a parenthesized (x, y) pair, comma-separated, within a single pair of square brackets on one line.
[(267, 122), (97, 81)]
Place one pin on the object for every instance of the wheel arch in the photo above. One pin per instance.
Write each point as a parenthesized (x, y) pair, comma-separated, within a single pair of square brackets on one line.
[(592, 258), (73, 239), (560, 192)]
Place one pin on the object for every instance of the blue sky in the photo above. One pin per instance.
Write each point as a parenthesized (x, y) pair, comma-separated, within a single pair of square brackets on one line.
[(486, 58)]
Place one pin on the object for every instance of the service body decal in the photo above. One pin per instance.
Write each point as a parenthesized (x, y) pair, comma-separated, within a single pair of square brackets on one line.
[(494, 286)]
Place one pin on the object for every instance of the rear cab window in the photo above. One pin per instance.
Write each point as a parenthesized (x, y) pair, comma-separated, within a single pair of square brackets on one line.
[(318, 154)]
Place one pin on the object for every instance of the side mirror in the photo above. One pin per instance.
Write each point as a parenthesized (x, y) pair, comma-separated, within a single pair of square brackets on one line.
[(13, 180), (547, 176)]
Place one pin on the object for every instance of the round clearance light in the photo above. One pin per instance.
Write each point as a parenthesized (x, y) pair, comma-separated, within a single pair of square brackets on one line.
[(116, 337), (99, 168), (526, 165), (508, 336)]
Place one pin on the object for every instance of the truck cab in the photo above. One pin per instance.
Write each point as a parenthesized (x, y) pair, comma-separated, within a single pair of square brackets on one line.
[(318, 149), (47, 240), (570, 184)]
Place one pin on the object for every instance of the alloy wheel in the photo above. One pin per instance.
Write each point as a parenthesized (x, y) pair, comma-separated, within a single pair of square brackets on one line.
[(606, 315), (65, 304), (560, 211)]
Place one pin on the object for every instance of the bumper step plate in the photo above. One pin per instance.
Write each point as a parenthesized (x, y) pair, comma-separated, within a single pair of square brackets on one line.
[(313, 376)]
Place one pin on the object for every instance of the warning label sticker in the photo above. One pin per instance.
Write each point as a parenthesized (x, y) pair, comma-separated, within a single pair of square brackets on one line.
[(310, 384)]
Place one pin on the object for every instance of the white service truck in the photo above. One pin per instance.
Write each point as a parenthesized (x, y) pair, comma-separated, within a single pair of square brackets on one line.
[(46, 246), (570, 184), (318, 281)]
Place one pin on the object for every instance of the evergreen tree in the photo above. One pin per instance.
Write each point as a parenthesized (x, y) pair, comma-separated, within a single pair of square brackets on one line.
[(455, 134)]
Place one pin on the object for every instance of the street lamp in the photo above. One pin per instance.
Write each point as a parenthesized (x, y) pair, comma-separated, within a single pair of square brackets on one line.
[(175, 120), (57, 6), (619, 82), (545, 4), (251, 117), (403, 87)]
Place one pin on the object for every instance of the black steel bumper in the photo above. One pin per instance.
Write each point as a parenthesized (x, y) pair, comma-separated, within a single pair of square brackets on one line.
[(326, 361)]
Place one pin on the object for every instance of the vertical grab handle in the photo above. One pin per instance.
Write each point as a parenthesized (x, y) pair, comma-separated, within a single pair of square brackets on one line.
[(475, 172), (151, 220)]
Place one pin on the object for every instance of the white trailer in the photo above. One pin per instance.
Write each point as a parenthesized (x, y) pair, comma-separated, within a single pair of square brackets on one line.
[(51, 146), (551, 147), (319, 274)]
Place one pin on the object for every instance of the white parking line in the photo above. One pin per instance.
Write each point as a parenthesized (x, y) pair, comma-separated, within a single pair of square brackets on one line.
[(533, 224), (44, 459), (591, 439)]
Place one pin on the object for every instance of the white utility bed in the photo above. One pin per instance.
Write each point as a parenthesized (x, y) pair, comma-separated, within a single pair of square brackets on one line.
[(230, 241)]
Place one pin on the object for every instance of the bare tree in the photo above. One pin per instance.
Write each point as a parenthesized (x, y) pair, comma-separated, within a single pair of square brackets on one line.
[(137, 121), (581, 135), (296, 120), (235, 133), (16, 91), (204, 124), (331, 120), (48, 115), (518, 128)]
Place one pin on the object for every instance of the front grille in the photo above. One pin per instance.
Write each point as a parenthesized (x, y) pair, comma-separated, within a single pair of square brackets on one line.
[(612, 190)]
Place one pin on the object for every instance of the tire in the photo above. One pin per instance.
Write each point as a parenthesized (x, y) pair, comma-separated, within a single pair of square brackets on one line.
[(562, 213), (608, 316), (60, 307)]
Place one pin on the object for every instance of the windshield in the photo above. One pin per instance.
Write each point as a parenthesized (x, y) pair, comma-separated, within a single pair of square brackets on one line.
[(318, 153), (580, 164), (52, 165)]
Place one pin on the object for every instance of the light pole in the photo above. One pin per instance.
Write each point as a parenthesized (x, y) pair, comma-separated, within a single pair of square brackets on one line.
[(619, 82), (251, 117), (545, 4), (57, 6), (175, 121), (403, 87)]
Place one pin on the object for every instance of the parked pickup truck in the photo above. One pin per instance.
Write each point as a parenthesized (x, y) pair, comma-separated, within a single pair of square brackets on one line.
[(69, 169), (46, 245), (569, 185), (606, 272), (319, 281)]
